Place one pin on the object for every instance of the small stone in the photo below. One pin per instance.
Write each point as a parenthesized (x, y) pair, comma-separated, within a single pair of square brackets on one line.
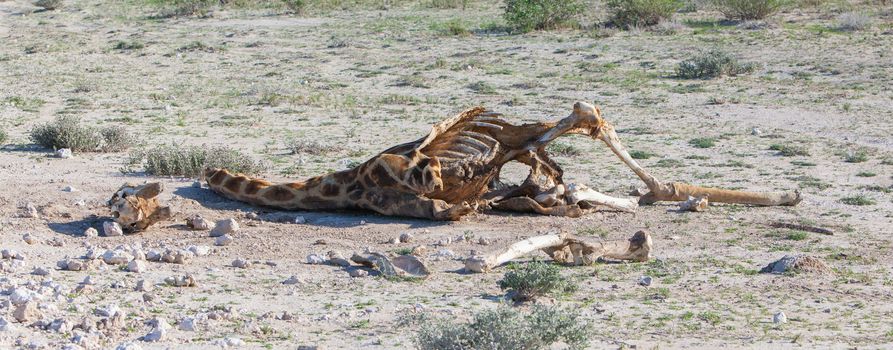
[(394, 240), (484, 241), (159, 332), (198, 223), (181, 281), (39, 271), (69, 189), (29, 238), (143, 286), (241, 263), (29, 211), (137, 266), (285, 316), (229, 342), (112, 229), (756, 131), (224, 240), (201, 250), (779, 318), (8, 254), (315, 259), (63, 153), (91, 232), (320, 242), (20, 296), (224, 227), (107, 311), (6, 326), (358, 273), (116, 257), (293, 280), (88, 280), (444, 254), (406, 237), (445, 241), (128, 346), (60, 325), (252, 216), (419, 250), (189, 324), (300, 220), (27, 312), (72, 265), (645, 281)]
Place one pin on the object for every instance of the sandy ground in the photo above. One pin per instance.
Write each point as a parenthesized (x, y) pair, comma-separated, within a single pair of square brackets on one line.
[(368, 79)]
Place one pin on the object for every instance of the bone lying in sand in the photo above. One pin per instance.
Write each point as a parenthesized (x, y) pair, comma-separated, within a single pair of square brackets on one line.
[(567, 249)]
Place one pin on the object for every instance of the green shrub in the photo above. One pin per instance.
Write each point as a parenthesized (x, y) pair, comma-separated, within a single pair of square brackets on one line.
[(640, 13), (703, 142), (502, 328), (747, 9), (789, 150), (49, 5), (190, 161), (295, 6), (641, 154), (174, 8), (858, 200), (453, 27), (533, 280), (67, 132), (124, 45), (528, 15), (563, 149), (3, 137), (712, 64), (857, 156), (448, 4)]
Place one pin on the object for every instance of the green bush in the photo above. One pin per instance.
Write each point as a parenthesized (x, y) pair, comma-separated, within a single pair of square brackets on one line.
[(528, 15), (640, 13), (448, 4), (789, 150), (712, 64), (67, 132), (3, 137), (502, 328), (533, 280), (295, 6), (453, 27), (747, 9), (189, 161), (703, 142), (173, 8)]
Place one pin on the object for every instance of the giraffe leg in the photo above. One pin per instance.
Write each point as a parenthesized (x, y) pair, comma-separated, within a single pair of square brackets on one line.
[(529, 205), (392, 202)]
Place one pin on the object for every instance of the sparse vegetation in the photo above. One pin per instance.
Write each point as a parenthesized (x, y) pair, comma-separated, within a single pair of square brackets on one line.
[(189, 161), (712, 64), (3, 137), (703, 142), (747, 9), (857, 156), (68, 132), (453, 27), (534, 279), (789, 150), (482, 88), (528, 15), (502, 328), (303, 146), (174, 8), (295, 6), (49, 5), (853, 21), (641, 154), (563, 149), (449, 4), (642, 13), (858, 200), (125, 45)]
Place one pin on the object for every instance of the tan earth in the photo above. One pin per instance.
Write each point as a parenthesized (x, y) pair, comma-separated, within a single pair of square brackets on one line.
[(374, 76)]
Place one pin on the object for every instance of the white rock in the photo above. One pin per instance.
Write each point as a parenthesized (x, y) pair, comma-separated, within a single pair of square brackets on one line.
[(756, 131), (484, 241), (190, 324), (91, 232), (241, 263), (780, 318), (60, 325), (128, 346), (27, 312), (112, 229), (22, 295), (200, 250), (315, 259), (63, 153), (153, 255), (29, 211), (159, 332), (224, 240), (107, 311), (39, 271), (229, 342), (444, 254), (116, 257), (137, 266), (29, 238), (224, 227), (406, 237), (293, 280), (300, 220), (69, 189), (394, 240), (143, 286), (88, 281), (8, 254), (198, 223)]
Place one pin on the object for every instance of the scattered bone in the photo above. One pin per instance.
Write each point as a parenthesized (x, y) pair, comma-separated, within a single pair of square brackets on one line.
[(696, 204), (797, 263), (223, 227), (335, 258), (63, 153), (799, 227), (403, 265), (406, 237), (180, 281), (112, 229), (198, 223), (136, 207), (567, 249)]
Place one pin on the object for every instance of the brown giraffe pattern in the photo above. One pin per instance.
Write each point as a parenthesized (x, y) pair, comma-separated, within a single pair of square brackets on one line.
[(442, 176)]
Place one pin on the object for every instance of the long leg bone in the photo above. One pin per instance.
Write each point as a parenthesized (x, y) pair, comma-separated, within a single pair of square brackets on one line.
[(577, 193), (677, 191), (567, 249)]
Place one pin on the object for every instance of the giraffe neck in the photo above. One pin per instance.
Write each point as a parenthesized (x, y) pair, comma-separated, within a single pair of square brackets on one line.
[(322, 192)]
